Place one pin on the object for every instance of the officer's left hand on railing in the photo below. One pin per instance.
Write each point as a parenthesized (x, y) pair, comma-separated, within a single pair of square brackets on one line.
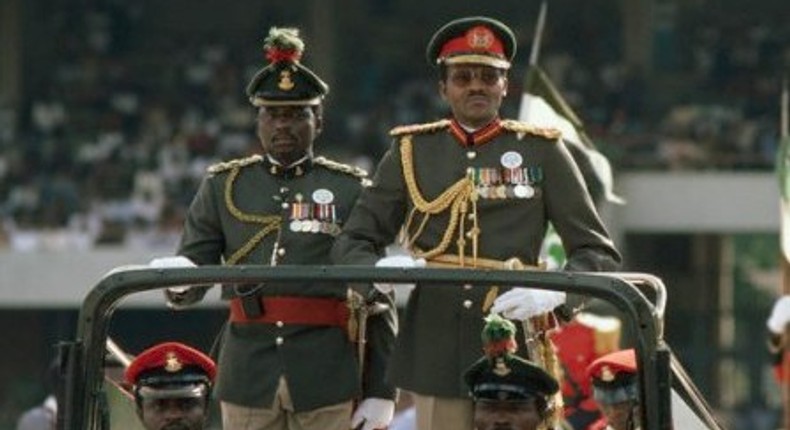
[(403, 261), (373, 413), (523, 303), (176, 297)]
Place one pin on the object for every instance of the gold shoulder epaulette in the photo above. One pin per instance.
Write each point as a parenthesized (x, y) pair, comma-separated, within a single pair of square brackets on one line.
[(340, 167), (420, 128), (525, 128), (238, 162)]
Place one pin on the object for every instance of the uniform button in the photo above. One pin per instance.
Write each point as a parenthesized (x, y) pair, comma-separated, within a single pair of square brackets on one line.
[(467, 287), (281, 252), (467, 304), (471, 155), (279, 323), (279, 340), (469, 170), (283, 190), (284, 205)]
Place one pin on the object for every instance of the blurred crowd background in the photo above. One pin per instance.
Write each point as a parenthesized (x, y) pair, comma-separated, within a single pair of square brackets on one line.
[(111, 111), (119, 106)]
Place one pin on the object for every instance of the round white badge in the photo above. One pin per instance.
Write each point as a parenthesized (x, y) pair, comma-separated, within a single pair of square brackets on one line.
[(523, 191), (511, 159), (323, 196)]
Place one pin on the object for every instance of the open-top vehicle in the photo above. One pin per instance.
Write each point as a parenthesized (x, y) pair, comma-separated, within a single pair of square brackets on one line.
[(92, 400)]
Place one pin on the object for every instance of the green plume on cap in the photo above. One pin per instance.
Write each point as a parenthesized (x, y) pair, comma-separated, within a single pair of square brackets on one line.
[(499, 336), (283, 39)]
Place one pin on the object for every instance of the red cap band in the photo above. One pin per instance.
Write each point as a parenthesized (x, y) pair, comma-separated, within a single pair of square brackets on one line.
[(477, 39), (171, 357)]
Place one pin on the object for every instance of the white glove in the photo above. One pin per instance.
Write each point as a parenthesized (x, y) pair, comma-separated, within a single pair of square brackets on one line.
[(780, 315), (404, 261), (523, 303), (170, 263), (374, 413)]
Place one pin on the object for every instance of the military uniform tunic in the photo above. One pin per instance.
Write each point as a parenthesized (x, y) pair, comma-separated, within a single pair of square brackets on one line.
[(250, 211), (495, 220)]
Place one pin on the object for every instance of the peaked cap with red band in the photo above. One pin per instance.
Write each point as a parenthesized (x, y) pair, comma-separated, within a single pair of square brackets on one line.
[(171, 369), (285, 81), (473, 40), (614, 377)]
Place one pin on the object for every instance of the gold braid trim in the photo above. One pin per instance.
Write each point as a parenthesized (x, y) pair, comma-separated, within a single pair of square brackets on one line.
[(238, 162), (251, 244), (524, 128), (551, 364), (270, 222), (542, 352), (358, 172), (419, 128), (457, 197)]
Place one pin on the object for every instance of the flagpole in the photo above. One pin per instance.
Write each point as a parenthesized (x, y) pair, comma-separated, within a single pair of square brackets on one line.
[(534, 54), (537, 39), (785, 101)]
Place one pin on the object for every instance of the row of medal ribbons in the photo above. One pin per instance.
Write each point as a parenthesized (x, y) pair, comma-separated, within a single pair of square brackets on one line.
[(504, 183), (314, 218)]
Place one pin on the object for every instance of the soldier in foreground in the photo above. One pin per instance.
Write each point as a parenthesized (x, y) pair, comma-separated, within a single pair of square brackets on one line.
[(616, 390), (472, 191), (172, 386), (284, 343), (509, 393)]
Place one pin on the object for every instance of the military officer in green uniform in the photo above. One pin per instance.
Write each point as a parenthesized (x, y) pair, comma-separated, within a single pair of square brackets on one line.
[(475, 191), (288, 358)]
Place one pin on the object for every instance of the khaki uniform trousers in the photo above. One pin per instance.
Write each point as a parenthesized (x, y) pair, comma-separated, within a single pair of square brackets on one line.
[(281, 415), (444, 413)]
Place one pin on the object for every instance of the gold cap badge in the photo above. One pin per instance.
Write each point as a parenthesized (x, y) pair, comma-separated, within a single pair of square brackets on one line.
[(500, 367), (286, 83), (480, 38), (172, 363), (606, 374)]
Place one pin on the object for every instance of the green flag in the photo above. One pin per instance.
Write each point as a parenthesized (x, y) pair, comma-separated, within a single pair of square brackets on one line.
[(542, 105)]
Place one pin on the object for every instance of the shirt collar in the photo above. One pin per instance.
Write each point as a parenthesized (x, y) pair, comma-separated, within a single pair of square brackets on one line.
[(294, 170)]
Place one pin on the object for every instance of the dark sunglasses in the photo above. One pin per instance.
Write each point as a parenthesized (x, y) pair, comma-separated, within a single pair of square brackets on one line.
[(487, 75)]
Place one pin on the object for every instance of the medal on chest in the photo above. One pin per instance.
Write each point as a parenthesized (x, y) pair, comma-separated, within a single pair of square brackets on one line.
[(316, 216), (510, 180)]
